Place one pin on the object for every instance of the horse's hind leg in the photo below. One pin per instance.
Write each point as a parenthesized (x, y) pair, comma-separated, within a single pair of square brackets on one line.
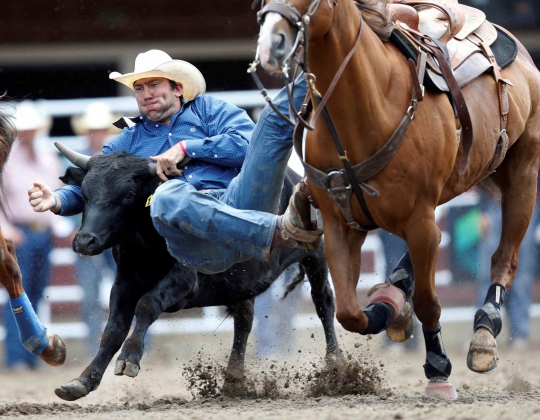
[(517, 179), (423, 237), (50, 348), (317, 272), (401, 328)]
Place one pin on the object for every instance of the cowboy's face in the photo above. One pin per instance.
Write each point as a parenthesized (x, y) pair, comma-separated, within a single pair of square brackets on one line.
[(156, 99)]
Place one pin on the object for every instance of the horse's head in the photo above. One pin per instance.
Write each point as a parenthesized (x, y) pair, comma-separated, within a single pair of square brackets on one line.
[(286, 25)]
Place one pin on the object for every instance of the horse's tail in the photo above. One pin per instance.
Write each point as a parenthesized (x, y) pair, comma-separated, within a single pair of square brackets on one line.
[(7, 137)]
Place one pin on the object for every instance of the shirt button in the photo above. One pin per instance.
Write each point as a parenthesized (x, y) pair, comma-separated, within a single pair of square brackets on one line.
[(170, 134), (185, 167), (140, 118), (157, 125), (215, 155), (193, 153), (191, 176)]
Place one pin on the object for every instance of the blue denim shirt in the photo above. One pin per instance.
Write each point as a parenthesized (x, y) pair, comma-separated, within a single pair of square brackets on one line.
[(216, 132)]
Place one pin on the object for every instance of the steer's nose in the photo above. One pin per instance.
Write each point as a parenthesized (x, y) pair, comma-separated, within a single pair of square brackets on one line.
[(86, 243)]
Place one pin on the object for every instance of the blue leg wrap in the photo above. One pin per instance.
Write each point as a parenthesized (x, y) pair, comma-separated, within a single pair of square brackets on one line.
[(33, 335)]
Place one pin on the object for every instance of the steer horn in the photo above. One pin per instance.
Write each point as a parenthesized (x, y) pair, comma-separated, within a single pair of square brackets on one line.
[(78, 159)]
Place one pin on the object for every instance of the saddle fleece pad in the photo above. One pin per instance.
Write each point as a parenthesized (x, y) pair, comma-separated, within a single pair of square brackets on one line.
[(504, 48)]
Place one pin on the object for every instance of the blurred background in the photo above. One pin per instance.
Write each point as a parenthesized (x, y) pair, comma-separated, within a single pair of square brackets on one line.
[(59, 55)]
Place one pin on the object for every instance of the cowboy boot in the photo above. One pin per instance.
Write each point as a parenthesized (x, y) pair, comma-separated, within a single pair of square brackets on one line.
[(295, 229)]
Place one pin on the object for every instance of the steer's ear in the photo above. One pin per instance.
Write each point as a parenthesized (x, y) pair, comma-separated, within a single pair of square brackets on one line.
[(73, 176)]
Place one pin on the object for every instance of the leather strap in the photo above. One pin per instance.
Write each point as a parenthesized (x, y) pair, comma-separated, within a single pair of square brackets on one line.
[(289, 12), (461, 106), (501, 85), (336, 77)]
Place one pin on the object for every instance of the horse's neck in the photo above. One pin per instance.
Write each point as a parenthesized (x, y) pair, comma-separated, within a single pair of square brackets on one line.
[(370, 98)]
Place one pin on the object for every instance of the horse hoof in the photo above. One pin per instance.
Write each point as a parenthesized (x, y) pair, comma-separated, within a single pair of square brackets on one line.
[(55, 353), (483, 356), (72, 391), (402, 328), (131, 369), (119, 367), (442, 390), (389, 294)]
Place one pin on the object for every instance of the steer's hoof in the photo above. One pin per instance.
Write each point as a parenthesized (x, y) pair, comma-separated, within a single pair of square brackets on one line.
[(401, 328), (483, 356), (72, 391), (55, 353), (126, 368), (119, 367), (131, 370), (442, 390)]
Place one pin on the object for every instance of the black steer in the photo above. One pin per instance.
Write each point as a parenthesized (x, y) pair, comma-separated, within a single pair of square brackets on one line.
[(149, 281)]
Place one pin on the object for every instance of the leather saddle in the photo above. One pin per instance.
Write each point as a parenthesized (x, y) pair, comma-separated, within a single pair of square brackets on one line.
[(452, 46), (461, 29)]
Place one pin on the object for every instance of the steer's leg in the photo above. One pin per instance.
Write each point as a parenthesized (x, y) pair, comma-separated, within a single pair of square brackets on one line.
[(173, 288), (242, 314), (317, 272), (124, 297)]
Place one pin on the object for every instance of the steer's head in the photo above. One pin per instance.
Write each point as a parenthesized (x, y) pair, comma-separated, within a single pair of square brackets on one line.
[(115, 189)]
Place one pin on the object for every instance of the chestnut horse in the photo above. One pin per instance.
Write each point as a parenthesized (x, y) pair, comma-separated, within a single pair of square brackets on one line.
[(369, 101), (10, 274)]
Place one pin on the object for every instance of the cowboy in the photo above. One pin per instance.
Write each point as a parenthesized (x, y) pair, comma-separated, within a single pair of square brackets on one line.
[(218, 210)]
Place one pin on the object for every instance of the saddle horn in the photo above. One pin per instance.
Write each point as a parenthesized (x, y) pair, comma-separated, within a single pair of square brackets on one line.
[(78, 159)]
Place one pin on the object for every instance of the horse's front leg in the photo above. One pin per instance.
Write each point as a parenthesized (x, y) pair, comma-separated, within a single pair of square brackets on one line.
[(423, 237), (50, 348), (343, 247)]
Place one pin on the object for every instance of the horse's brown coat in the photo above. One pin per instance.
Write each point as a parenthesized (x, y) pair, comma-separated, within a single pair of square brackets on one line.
[(366, 106)]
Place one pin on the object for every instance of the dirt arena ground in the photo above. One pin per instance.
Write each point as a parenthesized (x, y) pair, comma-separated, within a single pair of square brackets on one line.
[(382, 383)]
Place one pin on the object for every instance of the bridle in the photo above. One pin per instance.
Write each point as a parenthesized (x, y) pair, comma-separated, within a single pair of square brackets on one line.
[(299, 53), (352, 179)]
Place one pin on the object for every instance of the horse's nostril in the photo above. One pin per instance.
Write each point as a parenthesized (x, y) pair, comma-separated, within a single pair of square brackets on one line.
[(278, 44)]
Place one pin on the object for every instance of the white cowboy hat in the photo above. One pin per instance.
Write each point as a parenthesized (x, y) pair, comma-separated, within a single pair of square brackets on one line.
[(28, 118), (156, 63), (97, 116)]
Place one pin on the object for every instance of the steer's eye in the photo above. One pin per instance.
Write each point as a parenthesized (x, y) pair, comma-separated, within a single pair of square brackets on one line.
[(130, 195)]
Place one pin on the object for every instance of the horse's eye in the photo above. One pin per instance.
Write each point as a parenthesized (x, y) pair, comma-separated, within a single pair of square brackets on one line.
[(130, 195)]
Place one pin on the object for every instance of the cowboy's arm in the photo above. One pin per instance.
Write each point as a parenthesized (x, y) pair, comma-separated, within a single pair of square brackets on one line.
[(229, 129)]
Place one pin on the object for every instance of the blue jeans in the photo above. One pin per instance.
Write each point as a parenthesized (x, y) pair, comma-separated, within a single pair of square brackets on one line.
[(33, 257), (211, 234), (518, 298)]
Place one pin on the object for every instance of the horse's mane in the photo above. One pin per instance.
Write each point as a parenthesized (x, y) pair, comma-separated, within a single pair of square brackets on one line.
[(7, 137), (375, 14)]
